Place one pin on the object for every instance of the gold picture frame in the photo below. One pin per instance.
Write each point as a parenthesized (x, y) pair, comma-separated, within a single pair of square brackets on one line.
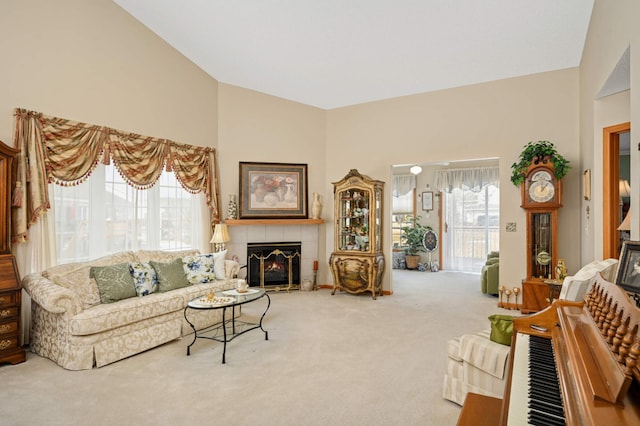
[(586, 184), (273, 191)]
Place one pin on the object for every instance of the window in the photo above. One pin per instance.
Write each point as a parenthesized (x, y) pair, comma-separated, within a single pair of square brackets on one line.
[(403, 212), (105, 215), (473, 222)]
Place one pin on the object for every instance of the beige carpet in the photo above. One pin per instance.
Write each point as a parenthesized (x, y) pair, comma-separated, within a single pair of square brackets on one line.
[(329, 360)]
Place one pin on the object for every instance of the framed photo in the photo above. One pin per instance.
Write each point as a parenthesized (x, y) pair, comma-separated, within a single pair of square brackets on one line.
[(628, 275), (586, 184), (427, 201), (273, 191)]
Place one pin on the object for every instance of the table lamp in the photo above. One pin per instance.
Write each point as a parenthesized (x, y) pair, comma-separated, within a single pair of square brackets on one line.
[(220, 237)]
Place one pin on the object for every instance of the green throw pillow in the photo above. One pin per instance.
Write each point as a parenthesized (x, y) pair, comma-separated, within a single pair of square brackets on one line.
[(501, 329), (114, 282), (170, 275)]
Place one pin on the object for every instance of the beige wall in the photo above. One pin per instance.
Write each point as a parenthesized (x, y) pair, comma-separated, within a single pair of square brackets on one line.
[(490, 120), (613, 28), (90, 61), (260, 128)]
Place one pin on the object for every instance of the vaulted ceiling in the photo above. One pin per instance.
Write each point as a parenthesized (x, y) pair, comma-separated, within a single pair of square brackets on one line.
[(334, 53)]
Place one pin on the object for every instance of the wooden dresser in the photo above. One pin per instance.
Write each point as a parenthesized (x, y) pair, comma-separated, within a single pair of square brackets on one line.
[(10, 287)]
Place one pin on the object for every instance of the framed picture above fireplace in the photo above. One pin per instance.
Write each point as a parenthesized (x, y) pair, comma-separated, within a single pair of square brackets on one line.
[(273, 191)]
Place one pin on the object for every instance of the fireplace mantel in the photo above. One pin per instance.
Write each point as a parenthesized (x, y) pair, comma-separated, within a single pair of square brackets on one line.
[(236, 222)]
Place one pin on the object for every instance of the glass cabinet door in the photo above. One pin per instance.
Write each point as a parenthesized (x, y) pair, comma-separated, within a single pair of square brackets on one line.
[(541, 245), (354, 217)]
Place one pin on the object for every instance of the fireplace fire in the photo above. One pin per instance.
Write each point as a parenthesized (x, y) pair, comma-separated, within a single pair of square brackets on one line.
[(274, 266)]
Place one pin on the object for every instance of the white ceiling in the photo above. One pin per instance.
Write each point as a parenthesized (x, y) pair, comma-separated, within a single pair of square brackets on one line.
[(333, 53)]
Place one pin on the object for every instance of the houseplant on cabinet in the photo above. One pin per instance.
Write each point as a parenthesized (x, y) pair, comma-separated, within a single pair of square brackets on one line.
[(412, 237)]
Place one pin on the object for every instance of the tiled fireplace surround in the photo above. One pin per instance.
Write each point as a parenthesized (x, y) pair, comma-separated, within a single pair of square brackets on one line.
[(307, 235)]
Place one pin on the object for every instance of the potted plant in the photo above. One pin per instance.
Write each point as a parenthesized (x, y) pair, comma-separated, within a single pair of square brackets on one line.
[(412, 237), (536, 152)]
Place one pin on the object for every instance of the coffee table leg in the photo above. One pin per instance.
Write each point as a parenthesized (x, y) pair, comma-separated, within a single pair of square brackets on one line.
[(224, 331), (195, 333), (266, 333)]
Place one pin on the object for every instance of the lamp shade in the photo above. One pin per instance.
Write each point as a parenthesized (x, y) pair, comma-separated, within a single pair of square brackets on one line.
[(220, 234), (626, 222), (624, 189)]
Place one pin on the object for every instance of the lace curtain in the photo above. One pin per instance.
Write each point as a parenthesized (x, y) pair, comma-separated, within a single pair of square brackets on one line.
[(473, 179), (56, 150), (403, 184)]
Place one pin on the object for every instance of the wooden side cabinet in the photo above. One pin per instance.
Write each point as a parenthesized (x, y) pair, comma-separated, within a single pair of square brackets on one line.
[(10, 286), (357, 262)]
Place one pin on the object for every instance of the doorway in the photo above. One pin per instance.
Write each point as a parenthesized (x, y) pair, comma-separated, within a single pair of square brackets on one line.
[(612, 201), (465, 216)]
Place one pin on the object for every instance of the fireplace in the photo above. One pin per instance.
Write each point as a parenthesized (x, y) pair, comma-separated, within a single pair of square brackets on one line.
[(274, 266)]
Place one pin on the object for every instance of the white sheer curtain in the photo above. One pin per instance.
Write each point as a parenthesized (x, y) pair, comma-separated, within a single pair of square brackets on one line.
[(471, 214), (36, 254), (403, 184), (402, 194), (472, 179)]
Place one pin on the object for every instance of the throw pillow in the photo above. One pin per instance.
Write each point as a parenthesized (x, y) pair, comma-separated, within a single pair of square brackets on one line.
[(218, 264), (501, 329), (199, 268), (170, 275), (144, 278), (114, 282)]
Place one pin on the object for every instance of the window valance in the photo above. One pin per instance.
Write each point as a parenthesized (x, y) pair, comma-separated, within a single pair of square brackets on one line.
[(65, 152), (403, 184), (473, 179)]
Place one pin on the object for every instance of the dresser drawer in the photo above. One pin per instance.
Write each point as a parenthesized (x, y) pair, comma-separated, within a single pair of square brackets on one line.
[(12, 312), (8, 327), (9, 342), (8, 273), (7, 299)]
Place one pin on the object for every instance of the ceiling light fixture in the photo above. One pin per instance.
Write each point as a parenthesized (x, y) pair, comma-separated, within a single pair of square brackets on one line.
[(416, 170)]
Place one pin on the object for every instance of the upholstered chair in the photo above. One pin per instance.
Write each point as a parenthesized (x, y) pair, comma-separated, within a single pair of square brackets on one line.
[(489, 275)]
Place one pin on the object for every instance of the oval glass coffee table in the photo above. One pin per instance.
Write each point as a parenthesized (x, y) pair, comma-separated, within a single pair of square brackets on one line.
[(231, 328)]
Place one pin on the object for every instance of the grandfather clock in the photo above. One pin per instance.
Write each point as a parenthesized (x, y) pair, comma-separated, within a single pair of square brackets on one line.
[(541, 198), (10, 287)]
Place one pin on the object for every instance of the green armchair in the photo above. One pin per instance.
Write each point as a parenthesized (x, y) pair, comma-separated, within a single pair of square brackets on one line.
[(490, 274)]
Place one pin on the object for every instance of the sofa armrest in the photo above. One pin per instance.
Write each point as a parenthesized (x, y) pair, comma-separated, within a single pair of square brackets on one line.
[(50, 296), (231, 268)]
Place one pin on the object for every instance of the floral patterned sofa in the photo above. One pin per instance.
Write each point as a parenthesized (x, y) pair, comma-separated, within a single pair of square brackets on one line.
[(81, 316)]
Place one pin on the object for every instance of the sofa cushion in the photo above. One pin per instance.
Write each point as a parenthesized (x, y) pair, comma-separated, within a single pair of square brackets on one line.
[(219, 264), (144, 278), (199, 268), (114, 282), (106, 318), (75, 276), (170, 275), (501, 329), (484, 354)]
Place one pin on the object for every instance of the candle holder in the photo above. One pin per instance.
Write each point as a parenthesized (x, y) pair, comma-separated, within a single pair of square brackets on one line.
[(508, 294), (501, 291), (516, 292)]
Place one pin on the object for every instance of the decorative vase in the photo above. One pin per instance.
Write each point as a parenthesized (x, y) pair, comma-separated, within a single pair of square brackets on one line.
[(271, 199), (561, 270), (316, 208), (290, 195), (260, 192), (232, 208)]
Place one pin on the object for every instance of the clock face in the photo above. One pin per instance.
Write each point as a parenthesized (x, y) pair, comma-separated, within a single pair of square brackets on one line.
[(541, 188)]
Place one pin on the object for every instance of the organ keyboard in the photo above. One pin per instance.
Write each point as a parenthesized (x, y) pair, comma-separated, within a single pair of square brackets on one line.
[(574, 363)]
